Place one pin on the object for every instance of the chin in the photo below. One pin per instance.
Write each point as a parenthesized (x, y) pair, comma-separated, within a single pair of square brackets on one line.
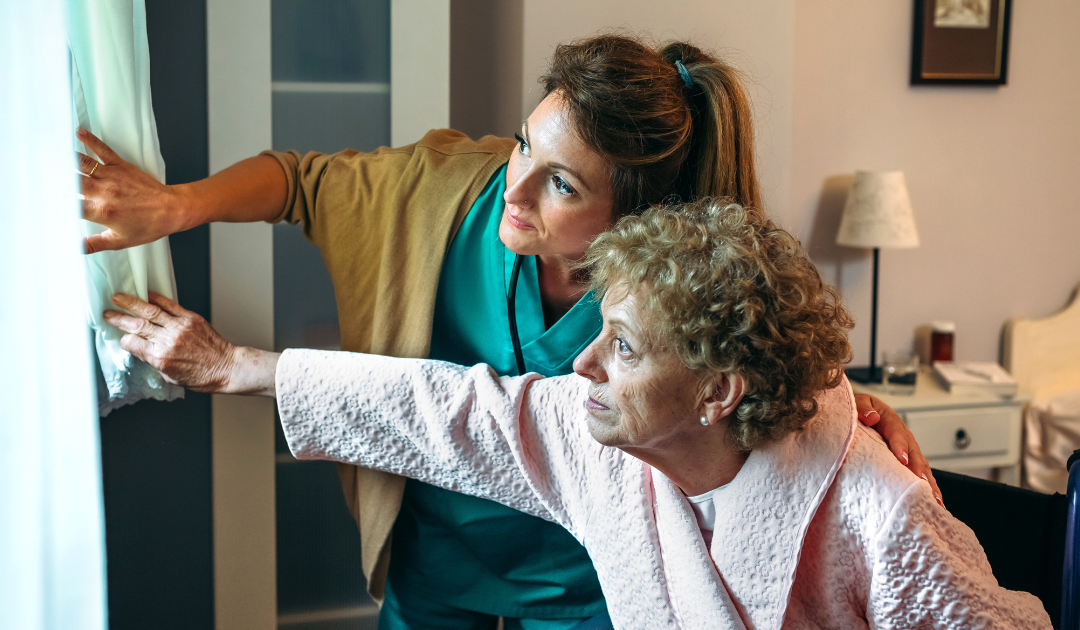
[(513, 239), (603, 432)]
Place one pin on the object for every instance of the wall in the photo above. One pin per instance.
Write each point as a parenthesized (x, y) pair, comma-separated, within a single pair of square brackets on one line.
[(990, 170), (485, 66)]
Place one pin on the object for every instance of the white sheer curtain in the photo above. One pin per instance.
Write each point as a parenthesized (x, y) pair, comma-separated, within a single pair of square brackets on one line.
[(110, 77), (52, 561)]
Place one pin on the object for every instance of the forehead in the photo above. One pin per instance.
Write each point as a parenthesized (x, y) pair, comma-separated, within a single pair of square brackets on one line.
[(627, 307), (552, 137)]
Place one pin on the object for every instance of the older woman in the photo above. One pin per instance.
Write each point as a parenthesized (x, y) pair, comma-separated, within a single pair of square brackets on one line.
[(707, 453)]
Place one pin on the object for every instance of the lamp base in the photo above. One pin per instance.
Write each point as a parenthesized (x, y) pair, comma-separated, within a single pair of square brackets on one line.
[(864, 374)]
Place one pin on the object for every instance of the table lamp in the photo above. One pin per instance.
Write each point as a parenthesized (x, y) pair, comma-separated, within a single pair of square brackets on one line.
[(877, 215)]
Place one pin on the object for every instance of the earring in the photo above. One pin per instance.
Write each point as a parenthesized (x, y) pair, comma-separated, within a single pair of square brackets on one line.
[(704, 421)]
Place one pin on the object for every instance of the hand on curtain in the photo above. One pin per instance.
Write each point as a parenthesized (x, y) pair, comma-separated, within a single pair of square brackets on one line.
[(188, 351), (136, 207)]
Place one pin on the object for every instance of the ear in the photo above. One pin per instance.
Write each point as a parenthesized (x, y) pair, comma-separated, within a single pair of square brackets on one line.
[(725, 395)]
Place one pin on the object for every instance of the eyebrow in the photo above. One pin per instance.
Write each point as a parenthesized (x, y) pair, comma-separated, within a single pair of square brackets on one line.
[(557, 165), (621, 325)]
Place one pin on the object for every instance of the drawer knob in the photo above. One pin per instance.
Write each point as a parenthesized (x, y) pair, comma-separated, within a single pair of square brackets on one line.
[(963, 440)]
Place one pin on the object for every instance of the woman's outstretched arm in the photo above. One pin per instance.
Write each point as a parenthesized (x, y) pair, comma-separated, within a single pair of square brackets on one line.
[(461, 428), (517, 440), (138, 209)]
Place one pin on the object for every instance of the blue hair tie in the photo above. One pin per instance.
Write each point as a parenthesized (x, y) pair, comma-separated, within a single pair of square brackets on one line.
[(684, 73)]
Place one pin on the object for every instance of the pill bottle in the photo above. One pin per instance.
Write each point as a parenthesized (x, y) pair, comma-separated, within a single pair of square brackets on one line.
[(941, 341)]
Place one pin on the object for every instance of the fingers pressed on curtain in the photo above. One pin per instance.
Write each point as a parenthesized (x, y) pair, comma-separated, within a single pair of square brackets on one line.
[(92, 142), (132, 325), (106, 241), (143, 309), (167, 305), (93, 188), (141, 348), (88, 165)]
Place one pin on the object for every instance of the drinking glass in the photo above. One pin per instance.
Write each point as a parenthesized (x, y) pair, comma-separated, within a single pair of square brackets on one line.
[(899, 372)]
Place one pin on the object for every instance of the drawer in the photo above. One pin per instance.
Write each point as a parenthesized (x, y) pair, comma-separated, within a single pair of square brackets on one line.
[(973, 432)]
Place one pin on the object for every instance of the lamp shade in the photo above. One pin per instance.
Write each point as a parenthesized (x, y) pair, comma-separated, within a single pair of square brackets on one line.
[(878, 213)]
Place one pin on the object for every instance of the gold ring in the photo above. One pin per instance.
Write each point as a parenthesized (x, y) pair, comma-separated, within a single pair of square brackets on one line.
[(91, 173)]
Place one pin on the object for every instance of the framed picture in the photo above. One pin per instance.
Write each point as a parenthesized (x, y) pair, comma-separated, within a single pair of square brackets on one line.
[(960, 42)]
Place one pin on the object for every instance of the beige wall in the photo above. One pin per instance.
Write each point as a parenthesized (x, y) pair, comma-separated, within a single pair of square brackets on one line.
[(485, 66), (991, 171)]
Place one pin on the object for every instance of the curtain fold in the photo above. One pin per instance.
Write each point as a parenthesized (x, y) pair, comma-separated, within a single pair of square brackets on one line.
[(110, 77), (52, 544)]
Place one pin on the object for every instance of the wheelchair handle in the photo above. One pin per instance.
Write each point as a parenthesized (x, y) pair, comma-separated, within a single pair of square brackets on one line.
[(1072, 458), (1070, 578)]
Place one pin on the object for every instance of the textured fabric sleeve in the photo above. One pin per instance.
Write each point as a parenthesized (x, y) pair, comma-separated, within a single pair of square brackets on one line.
[(463, 429), (929, 571)]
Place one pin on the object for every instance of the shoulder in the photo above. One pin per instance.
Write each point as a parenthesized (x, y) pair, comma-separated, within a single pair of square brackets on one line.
[(869, 485), (870, 458), (448, 164), (445, 169), (449, 142), (443, 150)]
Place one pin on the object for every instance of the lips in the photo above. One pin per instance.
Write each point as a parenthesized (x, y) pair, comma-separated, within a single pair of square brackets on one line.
[(593, 404), (518, 223)]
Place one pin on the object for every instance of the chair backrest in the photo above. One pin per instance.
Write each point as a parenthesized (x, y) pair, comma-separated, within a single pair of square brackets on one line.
[(1022, 532)]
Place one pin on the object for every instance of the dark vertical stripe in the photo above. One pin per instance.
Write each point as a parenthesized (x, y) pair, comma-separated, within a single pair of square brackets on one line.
[(156, 456)]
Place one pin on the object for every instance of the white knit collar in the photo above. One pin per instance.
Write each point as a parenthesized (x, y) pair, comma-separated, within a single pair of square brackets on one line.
[(762, 519)]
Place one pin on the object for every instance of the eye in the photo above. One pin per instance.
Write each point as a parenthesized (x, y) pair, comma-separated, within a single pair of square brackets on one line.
[(623, 349), (523, 147), (561, 185)]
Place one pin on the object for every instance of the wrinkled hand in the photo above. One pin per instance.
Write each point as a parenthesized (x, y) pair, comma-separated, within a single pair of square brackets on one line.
[(136, 208), (874, 413), (179, 343)]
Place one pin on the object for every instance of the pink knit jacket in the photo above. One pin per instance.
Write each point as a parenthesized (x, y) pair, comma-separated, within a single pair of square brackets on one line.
[(823, 529)]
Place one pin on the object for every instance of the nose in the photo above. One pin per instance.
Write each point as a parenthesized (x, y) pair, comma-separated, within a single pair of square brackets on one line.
[(518, 191), (588, 365)]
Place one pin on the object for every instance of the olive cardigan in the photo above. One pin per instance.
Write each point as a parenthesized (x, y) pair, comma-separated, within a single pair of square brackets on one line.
[(383, 222)]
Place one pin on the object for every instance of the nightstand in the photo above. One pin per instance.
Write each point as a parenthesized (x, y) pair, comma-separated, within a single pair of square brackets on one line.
[(960, 432)]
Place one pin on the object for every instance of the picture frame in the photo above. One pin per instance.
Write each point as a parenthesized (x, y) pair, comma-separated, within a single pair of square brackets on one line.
[(960, 42)]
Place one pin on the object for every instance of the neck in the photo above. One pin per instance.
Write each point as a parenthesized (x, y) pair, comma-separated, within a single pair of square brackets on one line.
[(703, 463), (560, 286)]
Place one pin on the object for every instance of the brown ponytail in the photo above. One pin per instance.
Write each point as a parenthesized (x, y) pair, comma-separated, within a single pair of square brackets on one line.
[(661, 138)]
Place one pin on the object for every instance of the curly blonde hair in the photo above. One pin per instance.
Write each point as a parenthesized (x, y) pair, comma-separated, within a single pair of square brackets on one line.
[(730, 291)]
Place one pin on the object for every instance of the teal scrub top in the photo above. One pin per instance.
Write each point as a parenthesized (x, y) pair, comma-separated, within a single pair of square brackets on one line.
[(472, 553)]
